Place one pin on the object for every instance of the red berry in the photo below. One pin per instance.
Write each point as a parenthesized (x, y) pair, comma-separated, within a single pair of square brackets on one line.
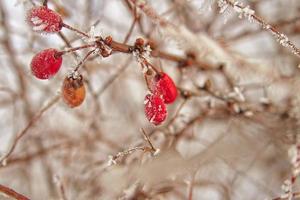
[(164, 85), (42, 19), (155, 109), (46, 63)]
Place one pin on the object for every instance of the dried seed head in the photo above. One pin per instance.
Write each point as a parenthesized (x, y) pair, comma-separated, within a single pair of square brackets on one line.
[(73, 91), (139, 42), (163, 85), (46, 63), (155, 109), (42, 19), (108, 40)]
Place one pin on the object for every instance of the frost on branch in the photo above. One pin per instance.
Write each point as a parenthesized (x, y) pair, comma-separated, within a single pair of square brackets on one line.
[(222, 5), (287, 190), (242, 11), (283, 40), (249, 14), (142, 55)]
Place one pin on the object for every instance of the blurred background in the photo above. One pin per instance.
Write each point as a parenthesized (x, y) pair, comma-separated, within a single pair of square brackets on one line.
[(227, 136)]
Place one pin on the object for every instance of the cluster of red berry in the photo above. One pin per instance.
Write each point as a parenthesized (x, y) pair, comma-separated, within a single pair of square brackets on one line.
[(47, 63), (163, 91)]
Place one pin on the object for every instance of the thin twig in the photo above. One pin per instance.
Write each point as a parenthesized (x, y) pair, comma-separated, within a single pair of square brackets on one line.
[(131, 27), (60, 188), (113, 159), (191, 187), (84, 59), (248, 13), (75, 30), (27, 128), (146, 137), (114, 77), (76, 48)]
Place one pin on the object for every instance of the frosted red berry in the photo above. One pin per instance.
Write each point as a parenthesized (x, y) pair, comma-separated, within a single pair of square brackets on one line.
[(46, 63), (155, 109), (164, 85), (43, 19)]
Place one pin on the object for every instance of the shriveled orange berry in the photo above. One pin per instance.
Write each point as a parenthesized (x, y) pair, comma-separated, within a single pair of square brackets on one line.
[(73, 91)]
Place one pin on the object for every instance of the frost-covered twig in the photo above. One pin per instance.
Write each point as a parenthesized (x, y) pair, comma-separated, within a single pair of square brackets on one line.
[(247, 12), (150, 148), (287, 186), (113, 159)]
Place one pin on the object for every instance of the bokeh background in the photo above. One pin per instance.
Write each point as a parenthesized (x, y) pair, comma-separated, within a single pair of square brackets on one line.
[(228, 140)]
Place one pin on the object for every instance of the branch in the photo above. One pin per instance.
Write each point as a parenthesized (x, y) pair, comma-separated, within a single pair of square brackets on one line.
[(29, 125), (245, 11), (11, 193)]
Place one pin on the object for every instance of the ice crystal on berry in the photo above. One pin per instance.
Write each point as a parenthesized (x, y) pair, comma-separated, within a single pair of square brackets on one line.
[(164, 85), (46, 63), (155, 109), (42, 19)]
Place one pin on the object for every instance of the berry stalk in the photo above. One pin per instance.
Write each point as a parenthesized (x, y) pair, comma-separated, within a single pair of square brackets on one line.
[(75, 30), (75, 49), (84, 59)]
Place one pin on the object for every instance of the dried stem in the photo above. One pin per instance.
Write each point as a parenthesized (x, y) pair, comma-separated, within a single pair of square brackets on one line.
[(146, 137)]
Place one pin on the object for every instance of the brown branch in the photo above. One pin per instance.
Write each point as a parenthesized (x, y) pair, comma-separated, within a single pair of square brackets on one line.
[(125, 48), (11, 193)]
